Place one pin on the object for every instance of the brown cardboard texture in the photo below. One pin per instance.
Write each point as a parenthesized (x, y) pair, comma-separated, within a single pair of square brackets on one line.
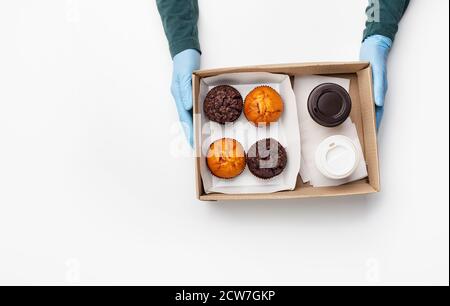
[(363, 115)]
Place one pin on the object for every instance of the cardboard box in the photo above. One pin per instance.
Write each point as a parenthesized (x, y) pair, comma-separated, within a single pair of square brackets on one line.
[(363, 115)]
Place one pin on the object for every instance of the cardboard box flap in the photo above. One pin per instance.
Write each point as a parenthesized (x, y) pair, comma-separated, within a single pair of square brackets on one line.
[(292, 69)]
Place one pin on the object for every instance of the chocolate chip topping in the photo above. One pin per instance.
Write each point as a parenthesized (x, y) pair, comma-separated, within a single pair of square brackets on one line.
[(267, 158), (223, 104)]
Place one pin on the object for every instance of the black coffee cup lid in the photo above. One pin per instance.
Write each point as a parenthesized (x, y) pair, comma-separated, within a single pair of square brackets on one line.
[(329, 104)]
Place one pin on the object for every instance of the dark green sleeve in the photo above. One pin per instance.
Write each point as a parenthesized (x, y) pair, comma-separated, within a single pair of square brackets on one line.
[(179, 18), (383, 17)]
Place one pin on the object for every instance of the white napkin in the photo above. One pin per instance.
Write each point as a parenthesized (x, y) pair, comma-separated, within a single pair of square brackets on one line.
[(312, 134)]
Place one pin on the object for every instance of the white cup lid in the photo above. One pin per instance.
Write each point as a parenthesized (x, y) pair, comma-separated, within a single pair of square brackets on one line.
[(337, 157)]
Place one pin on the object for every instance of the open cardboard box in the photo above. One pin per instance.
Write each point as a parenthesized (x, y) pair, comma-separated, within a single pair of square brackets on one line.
[(363, 115)]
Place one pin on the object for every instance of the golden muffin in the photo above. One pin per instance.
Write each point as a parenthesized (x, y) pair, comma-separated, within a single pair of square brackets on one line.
[(263, 105), (226, 158)]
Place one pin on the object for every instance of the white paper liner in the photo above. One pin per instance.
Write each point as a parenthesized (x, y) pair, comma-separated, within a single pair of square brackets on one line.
[(286, 131), (312, 134)]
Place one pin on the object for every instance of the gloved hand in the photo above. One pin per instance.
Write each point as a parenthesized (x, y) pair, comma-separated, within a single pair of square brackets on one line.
[(375, 49), (184, 64)]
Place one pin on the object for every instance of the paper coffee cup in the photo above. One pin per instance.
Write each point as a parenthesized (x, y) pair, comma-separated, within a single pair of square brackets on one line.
[(329, 105), (337, 157)]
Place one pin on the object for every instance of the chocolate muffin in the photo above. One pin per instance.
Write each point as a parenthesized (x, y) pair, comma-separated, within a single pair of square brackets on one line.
[(267, 158), (223, 104)]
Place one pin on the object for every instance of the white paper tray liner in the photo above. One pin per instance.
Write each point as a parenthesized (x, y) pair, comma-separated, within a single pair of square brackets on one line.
[(312, 134), (286, 132)]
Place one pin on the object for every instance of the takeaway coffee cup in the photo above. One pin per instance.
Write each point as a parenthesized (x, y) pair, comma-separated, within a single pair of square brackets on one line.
[(329, 105), (337, 157)]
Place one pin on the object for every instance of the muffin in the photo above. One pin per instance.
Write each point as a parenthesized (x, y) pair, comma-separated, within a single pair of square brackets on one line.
[(267, 158), (223, 104), (226, 158), (263, 105)]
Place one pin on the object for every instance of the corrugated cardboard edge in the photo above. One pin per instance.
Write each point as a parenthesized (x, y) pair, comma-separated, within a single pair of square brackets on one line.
[(323, 192), (369, 127), (197, 135), (310, 68)]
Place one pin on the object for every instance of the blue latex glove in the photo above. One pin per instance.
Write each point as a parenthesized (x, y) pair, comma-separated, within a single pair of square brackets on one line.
[(375, 49), (184, 64)]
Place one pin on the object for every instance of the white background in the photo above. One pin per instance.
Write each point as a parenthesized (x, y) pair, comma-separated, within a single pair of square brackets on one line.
[(91, 192)]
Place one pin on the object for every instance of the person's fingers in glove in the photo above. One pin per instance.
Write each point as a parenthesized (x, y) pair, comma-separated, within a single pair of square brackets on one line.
[(185, 116), (184, 64), (379, 112), (185, 83), (375, 49)]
